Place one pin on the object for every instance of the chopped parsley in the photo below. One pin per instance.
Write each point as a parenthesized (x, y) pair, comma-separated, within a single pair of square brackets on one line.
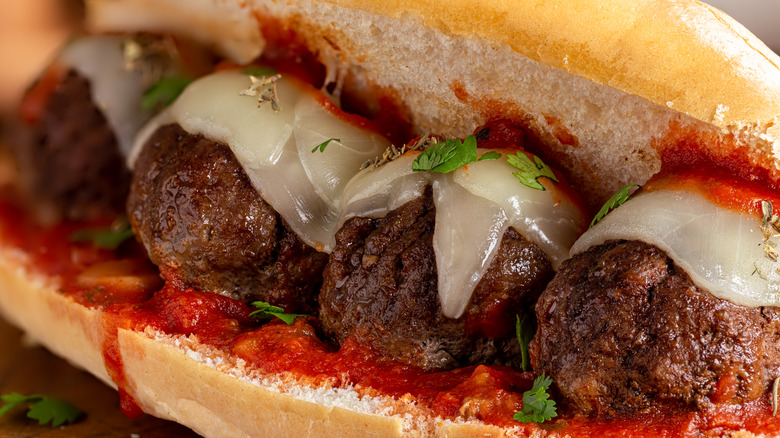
[(490, 155), (105, 238), (449, 155), (525, 332), (530, 171), (614, 202), (267, 311), (537, 406), (163, 92), (42, 408), (324, 144)]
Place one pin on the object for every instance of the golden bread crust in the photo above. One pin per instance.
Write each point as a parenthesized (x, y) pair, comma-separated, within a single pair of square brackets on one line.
[(682, 54)]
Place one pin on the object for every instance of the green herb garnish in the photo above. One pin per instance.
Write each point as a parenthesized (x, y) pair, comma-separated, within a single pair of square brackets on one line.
[(614, 202), (258, 71), (267, 311), (537, 406), (530, 171), (324, 144), (525, 332), (164, 92), (490, 155), (449, 155), (42, 408), (105, 238)]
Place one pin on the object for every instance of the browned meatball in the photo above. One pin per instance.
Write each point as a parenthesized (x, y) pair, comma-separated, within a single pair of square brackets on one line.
[(623, 329), (69, 158), (201, 220), (380, 286)]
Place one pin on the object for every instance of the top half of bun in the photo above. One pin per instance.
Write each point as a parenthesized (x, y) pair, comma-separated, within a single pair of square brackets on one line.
[(605, 86)]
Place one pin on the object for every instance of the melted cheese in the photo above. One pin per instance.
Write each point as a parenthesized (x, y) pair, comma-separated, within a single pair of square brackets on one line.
[(549, 218), (474, 207), (316, 192), (275, 149), (116, 90), (722, 250)]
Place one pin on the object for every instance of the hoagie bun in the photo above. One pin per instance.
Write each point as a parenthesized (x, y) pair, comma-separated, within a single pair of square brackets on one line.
[(607, 95)]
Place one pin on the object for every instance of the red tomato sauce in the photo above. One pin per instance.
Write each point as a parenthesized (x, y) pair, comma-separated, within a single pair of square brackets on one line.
[(720, 187), (718, 168), (488, 393)]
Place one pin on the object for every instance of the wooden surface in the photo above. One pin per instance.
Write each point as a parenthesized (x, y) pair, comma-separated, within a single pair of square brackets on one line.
[(33, 370)]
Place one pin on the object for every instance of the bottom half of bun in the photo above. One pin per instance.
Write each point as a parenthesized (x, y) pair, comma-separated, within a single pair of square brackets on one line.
[(189, 380), (178, 378)]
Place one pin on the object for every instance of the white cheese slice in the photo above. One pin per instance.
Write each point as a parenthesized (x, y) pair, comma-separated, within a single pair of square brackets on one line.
[(116, 90), (275, 148), (722, 250), (548, 218), (468, 233)]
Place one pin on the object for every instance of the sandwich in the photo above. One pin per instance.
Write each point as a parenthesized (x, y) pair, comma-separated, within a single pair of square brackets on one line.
[(357, 218)]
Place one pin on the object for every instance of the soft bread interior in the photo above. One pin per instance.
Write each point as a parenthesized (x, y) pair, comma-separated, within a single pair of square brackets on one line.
[(605, 88)]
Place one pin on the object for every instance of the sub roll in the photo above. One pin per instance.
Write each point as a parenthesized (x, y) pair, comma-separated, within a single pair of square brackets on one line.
[(358, 213)]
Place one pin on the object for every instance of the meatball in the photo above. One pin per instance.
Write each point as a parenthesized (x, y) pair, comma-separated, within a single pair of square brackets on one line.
[(380, 286), (623, 329), (201, 221), (69, 157)]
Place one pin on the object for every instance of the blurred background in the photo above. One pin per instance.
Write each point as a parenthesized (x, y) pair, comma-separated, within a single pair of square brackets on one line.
[(30, 33), (760, 16)]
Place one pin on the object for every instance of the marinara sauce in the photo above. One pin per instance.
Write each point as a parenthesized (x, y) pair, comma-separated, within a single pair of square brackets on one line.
[(130, 294)]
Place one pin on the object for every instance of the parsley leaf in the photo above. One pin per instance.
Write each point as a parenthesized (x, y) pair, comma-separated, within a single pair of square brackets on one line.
[(163, 92), (105, 238), (256, 70), (524, 331), (490, 155), (614, 202), (449, 155), (267, 311), (537, 406), (530, 171), (324, 144), (42, 408)]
